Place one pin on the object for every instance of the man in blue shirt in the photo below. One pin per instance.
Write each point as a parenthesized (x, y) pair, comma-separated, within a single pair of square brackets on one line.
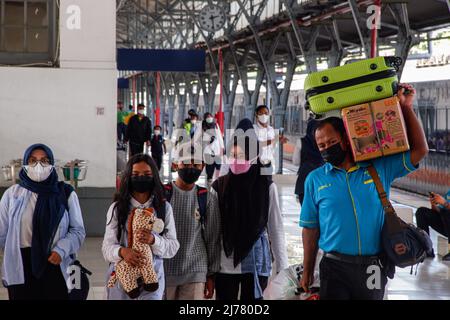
[(438, 217), (342, 213)]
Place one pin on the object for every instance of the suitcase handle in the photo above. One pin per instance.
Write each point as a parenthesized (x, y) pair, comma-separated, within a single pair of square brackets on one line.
[(396, 88)]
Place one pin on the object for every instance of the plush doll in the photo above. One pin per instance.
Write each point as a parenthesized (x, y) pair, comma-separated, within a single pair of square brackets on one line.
[(128, 275)]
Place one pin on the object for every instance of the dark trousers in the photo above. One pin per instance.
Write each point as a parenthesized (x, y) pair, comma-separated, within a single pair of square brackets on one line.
[(348, 281), (121, 129), (52, 285), (210, 168), (158, 159), (227, 286), (136, 148), (438, 220)]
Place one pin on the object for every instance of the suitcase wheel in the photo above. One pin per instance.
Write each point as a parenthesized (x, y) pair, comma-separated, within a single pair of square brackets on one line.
[(394, 62), (398, 61)]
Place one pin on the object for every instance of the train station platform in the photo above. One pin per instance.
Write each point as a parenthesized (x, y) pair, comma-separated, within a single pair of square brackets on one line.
[(87, 77), (432, 281)]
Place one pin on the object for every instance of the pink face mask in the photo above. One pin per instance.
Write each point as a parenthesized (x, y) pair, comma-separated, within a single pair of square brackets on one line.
[(240, 167)]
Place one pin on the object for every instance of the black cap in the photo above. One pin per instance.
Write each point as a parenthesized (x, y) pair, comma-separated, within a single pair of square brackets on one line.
[(192, 112)]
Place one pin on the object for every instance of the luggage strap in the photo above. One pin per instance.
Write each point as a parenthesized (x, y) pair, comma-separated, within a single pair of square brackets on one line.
[(392, 220), (387, 206)]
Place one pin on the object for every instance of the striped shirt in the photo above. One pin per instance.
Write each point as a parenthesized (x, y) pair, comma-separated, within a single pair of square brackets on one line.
[(197, 256)]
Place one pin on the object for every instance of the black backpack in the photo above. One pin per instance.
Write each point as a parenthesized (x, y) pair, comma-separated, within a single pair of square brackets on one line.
[(415, 242), (83, 292), (202, 198), (161, 213)]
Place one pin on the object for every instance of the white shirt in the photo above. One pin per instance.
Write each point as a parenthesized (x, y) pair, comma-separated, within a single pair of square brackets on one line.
[(165, 246), (264, 134), (217, 146), (26, 224)]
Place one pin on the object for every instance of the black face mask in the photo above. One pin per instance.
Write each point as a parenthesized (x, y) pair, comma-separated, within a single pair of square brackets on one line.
[(334, 154), (142, 184), (189, 175)]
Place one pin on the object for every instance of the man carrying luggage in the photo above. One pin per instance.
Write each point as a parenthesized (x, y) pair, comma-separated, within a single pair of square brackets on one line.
[(342, 213)]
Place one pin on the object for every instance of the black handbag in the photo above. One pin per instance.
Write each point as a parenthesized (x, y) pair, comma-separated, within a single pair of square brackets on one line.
[(416, 242), (82, 292)]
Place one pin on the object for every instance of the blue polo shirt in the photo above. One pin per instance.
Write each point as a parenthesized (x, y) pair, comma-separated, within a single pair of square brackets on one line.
[(447, 198), (345, 205)]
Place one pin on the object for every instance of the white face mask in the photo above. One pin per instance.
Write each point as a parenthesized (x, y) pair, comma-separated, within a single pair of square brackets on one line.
[(157, 132), (141, 111), (38, 173), (264, 118), (209, 120), (194, 121)]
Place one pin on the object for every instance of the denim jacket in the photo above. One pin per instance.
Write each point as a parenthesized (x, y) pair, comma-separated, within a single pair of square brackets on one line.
[(67, 242)]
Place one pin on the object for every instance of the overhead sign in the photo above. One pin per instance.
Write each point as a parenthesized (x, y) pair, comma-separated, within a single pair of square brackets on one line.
[(161, 60), (123, 83)]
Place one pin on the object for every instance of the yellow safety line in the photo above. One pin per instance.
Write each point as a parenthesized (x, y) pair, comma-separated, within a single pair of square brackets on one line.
[(404, 163), (356, 217)]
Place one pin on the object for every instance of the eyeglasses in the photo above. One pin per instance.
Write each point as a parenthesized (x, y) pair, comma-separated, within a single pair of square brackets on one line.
[(32, 162)]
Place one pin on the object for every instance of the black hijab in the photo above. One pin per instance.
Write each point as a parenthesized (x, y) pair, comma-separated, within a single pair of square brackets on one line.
[(243, 203), (310, 152)]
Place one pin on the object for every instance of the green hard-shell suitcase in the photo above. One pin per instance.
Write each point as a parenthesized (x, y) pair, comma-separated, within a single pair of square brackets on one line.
[(352, 84)]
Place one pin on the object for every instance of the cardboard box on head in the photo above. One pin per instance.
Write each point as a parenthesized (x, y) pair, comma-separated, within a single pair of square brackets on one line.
[(375, 129), (361, 132)]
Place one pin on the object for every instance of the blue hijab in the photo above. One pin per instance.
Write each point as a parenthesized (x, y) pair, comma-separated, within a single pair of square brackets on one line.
[(48, 212)]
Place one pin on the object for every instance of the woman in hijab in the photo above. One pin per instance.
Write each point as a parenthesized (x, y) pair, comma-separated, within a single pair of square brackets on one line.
[(310, 158), (41, 229), (250, 217), (140, 187)]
